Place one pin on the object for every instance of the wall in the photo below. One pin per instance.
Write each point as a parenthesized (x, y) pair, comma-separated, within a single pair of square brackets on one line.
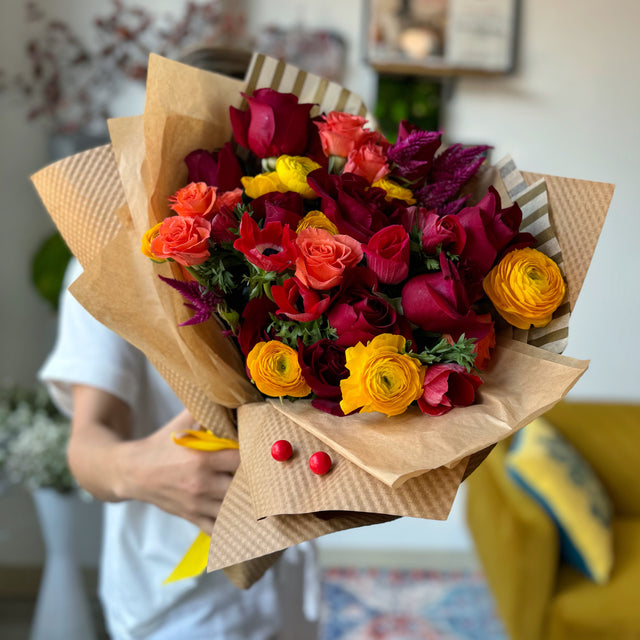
[(572, 110)]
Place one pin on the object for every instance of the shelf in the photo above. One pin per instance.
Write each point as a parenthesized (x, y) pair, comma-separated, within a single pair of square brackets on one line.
[(431, 68)]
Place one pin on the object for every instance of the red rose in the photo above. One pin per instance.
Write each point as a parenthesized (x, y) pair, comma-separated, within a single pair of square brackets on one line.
[(447, 386), (285, 208), (183, 239), (275, 124), (356, 208), (218, 169), (323, 365), (445, 232), (489, 230), (358, 314), (297, 302), (438, 301), (223, 224), (388, 253), (255, 319), (272, 248)]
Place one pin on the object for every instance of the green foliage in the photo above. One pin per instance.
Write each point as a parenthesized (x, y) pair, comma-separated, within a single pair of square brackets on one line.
[(48, 266), (309, 332), (443, 352)]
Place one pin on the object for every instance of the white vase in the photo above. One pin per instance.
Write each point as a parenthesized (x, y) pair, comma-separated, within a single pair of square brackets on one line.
[(62, 611)]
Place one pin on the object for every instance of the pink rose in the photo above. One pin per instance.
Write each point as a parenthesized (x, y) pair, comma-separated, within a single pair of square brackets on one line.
[(447, 386), (368, 161)]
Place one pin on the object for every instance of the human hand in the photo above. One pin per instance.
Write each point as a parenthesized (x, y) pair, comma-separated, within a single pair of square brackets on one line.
[(182, 481)]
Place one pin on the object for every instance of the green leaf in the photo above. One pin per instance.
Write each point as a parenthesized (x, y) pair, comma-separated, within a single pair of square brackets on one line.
[(48, 266)]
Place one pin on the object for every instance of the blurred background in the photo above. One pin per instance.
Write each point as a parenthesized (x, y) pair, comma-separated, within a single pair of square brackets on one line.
[(556, 85)]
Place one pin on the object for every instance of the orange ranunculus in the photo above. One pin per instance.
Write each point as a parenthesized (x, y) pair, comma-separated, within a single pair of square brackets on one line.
[(183, 239), (340, 133), (196, 199), (526, 287), (147, 238), (275, 369), (368, 161), (317, 220), (381, 377), (322, 257)]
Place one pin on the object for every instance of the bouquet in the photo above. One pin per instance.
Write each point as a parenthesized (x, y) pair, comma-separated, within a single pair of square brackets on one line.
[(373, 283)]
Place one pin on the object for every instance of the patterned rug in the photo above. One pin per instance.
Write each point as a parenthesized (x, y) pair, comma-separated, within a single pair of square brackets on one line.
[(408, 605)]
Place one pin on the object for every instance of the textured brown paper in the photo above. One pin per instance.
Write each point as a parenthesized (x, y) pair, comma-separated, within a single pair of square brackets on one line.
[(102, 201), (289, 488)]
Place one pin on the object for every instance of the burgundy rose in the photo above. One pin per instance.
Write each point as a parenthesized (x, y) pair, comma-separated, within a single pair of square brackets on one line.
[(388, 254), (358, 314), (438, 301), (413, 152), (447, 386), (218, 169), (489, 230), (323, 366), (445, 232), (274, 124), (285, 208), (357, 209), (255, 319), (297, 302), (224, 225), (272, 248)]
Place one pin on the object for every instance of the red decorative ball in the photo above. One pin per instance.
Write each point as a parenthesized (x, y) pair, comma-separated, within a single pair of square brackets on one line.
[(320, 463), (281, 450)]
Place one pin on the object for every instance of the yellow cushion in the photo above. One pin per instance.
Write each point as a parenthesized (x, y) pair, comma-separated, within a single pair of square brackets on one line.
[(550, 469)]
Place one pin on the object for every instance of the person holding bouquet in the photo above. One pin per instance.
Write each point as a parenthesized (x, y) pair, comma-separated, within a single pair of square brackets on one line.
[(157, 495)]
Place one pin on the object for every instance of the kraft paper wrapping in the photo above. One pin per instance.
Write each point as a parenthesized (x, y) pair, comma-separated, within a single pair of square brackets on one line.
[(104, 199)]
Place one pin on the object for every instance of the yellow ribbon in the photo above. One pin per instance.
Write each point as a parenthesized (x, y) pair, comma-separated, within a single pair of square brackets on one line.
[(194, 561)]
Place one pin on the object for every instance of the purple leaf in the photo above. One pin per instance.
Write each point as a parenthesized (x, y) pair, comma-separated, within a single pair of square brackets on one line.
[(199, 299)]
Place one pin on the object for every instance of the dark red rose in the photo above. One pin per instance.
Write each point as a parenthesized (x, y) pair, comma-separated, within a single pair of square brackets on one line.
[(445, 232), (285, 208), (413, 153), (297, 302), (254, 322), (218, 169), (274, 124), (388, 254), (358, 314), (357, 209), (447, 386), (438, 301), (272, 248), (323, 366), (222, 224), (489, 230)]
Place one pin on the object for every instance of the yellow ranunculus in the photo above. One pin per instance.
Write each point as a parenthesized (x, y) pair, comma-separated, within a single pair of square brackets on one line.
[(526, 287), (317, 220), (275, 370), (256, 186), (293, 172), (394, 190), (381, 377), (146, 243)]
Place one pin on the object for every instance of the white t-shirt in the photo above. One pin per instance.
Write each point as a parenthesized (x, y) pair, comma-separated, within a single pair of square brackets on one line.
[(141, 543)]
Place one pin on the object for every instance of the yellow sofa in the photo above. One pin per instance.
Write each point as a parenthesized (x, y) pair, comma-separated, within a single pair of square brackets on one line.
[(537, 597)]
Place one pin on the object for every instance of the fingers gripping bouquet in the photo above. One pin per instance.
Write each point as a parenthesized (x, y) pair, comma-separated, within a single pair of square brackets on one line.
[(400, 306)]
